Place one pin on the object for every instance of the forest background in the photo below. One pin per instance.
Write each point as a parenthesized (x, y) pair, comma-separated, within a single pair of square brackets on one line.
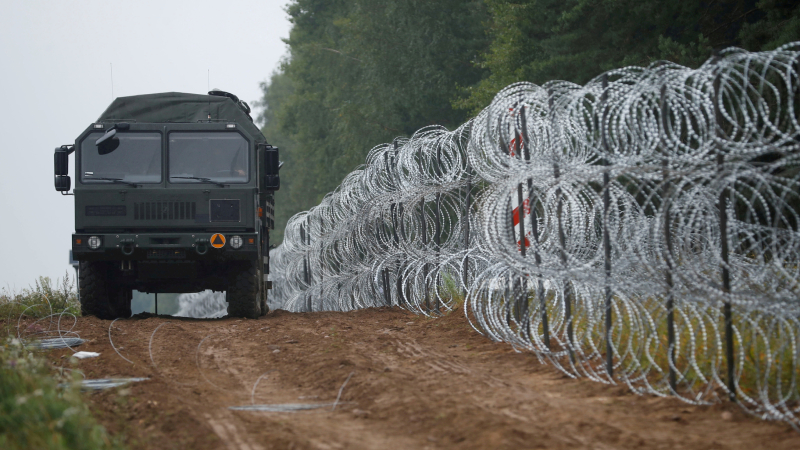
[(359, 73)]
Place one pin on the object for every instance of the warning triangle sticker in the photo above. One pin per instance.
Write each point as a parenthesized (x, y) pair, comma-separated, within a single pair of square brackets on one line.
[(217, 240)]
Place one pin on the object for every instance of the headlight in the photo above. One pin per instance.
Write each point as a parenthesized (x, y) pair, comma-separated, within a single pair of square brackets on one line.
[(94, 242), (236, 242)]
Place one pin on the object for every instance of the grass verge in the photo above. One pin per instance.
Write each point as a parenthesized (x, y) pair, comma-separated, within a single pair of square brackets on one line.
[(41, 408), (45, 297)]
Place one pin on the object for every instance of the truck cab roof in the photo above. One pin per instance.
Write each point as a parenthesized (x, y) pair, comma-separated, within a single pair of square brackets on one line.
[(178, 107)]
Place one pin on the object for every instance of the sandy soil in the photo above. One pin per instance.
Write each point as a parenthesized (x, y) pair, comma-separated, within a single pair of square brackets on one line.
[(416, 383)]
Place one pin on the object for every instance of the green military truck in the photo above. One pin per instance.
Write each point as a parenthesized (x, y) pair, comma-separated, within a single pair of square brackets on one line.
[(173, 193)]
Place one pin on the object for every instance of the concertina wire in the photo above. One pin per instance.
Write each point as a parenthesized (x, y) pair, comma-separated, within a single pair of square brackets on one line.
[(641, 229)]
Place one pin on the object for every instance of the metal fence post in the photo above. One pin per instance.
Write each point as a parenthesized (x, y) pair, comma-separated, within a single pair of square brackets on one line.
[(382, 234), (540, 283), (535, 234), (384, 241), (398, 262), (387, 293), (726, 285), (424, 230), (511, 311), (438, 235), (513, 283), (563, 252), (401, 267), (308, 263), (438, 242), (606, 237), (303, 238), (521, 305), (397, 215), (306, 272), (467, 206), (666, 197), (726, 276), (321, 261)]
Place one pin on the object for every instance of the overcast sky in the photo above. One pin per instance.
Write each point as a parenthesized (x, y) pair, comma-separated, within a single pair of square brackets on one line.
[(55, 75)]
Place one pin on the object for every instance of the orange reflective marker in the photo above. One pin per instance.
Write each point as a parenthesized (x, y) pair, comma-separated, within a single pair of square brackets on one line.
[(218, 240)]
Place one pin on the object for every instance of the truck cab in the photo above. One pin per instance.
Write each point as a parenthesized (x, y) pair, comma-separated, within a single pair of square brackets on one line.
[(173, 193)]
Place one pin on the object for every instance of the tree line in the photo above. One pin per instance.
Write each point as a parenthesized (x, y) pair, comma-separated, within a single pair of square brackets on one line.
[(359, 73)]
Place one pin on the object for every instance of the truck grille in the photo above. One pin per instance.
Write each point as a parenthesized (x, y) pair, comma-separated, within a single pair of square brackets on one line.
[(164, 211)]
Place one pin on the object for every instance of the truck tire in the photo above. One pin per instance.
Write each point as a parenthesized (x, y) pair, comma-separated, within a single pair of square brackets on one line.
[(101, 295), (243, 294)]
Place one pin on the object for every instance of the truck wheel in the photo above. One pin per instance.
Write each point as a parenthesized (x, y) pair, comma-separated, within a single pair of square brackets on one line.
[(100, 294), (243, 294)]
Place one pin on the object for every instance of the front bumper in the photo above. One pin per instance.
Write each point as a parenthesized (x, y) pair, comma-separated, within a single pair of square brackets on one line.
[(165, 246)]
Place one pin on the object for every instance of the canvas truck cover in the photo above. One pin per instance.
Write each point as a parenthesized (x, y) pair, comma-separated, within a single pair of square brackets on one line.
[(177, 107)]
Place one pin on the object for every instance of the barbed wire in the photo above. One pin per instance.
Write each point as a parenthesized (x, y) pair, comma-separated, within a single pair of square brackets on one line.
[(641, 229)]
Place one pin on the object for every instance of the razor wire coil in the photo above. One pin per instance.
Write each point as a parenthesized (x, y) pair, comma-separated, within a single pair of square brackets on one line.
[(642, 229)]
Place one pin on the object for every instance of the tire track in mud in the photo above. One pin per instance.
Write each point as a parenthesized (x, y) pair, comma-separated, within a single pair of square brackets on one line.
[(417, 383)]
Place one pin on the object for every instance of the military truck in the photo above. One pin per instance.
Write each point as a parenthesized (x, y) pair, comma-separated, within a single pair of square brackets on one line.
[(173, 193)]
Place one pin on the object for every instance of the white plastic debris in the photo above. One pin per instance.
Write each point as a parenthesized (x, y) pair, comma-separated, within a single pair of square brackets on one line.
[(84, 355)]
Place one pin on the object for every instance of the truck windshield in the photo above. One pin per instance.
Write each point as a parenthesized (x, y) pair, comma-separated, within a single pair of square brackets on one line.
[(136, 160), (218, 157)]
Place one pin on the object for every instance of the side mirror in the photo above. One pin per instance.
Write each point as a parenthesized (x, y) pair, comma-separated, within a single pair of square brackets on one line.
[(63, 183), (271, 161), (61, 160), (61, 169), (272, 179), (108, 142)]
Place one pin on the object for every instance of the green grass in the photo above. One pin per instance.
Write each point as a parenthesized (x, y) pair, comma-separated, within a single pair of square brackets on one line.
[(699, 332), (451, 289), (41, 408), (45, 297)]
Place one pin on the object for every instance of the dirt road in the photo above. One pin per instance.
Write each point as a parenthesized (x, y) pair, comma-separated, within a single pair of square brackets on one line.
[(416, 383)]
